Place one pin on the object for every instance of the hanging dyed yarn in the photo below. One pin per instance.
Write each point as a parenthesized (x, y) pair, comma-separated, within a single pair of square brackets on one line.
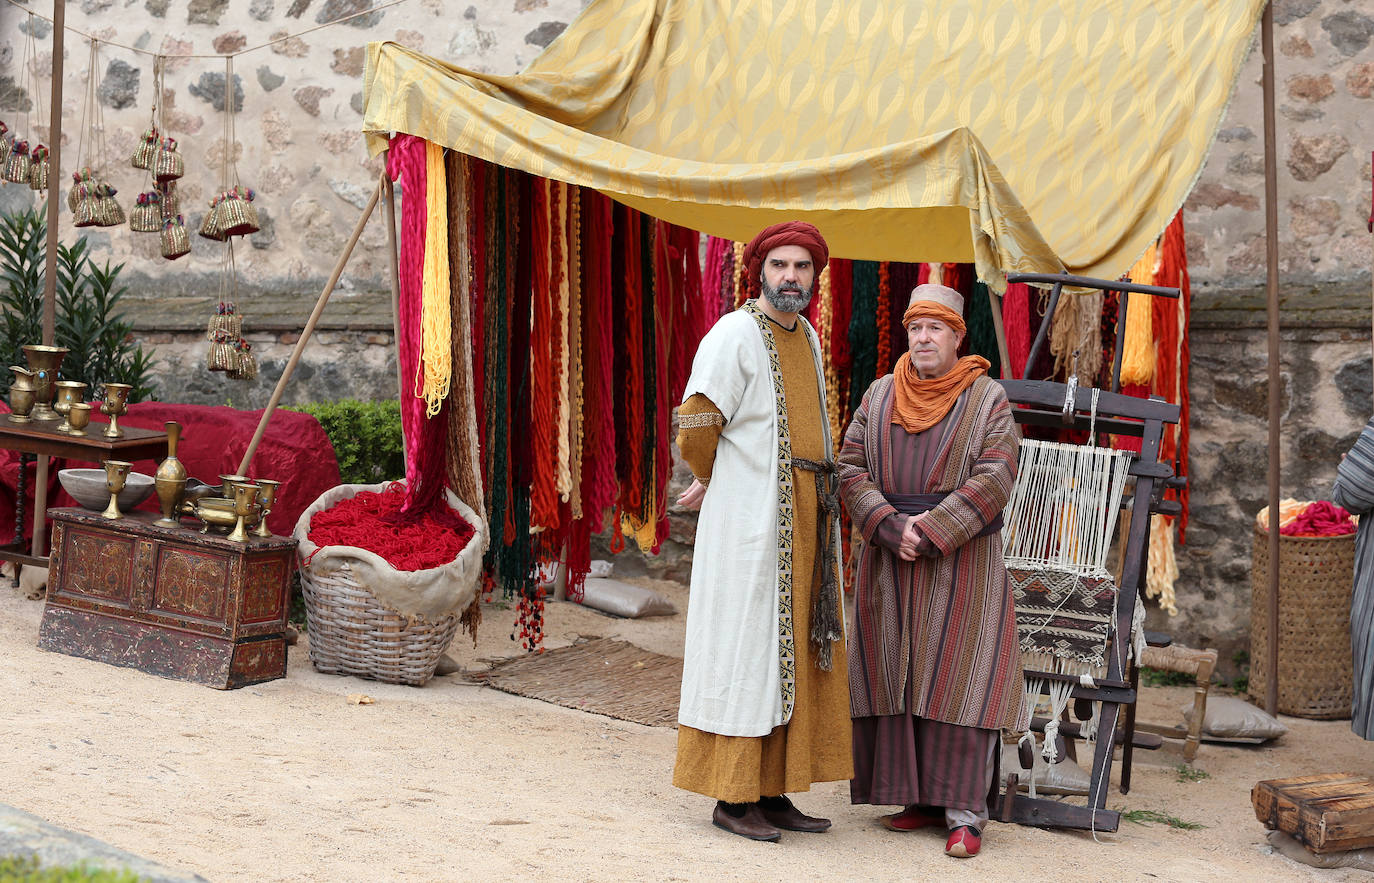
[(436, 365), (1137, 348), (1017, 327), (1059, 525)]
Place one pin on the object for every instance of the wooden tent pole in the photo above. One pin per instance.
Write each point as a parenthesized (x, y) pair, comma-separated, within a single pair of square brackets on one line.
[(995, 304), (306, 332), (1271, 235), (40, 487)]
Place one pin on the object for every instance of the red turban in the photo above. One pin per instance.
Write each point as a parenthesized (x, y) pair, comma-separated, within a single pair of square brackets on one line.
[(776, 236)]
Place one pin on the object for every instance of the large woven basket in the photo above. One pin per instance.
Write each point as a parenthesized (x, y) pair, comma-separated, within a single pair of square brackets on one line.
[(351, 632), (1316, 577)]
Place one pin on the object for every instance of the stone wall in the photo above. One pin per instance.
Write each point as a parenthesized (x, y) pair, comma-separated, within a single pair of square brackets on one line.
[(300, 147)]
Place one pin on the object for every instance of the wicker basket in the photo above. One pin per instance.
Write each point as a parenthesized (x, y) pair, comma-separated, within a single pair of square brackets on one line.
[(352, 633), (1316, 576)]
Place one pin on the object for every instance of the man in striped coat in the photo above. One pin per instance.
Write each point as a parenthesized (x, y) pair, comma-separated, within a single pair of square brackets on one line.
[(1355, 491), (926, 468)]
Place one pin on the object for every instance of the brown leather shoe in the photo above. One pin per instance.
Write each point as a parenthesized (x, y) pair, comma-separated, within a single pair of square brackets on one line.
[(751, 824), (793, 819)]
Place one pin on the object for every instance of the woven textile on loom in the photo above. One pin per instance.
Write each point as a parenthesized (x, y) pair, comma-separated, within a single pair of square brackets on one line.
[(1059, 525)]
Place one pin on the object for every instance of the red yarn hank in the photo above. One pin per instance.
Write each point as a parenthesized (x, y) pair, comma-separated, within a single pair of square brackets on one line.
[(1016, 322), (1173, 272), (372, 521), (1321, 519), (543, 399)]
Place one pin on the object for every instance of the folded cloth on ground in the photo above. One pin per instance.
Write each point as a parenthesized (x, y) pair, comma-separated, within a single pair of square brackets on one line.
[(1231, 718), (1062, 777), (622, 599)]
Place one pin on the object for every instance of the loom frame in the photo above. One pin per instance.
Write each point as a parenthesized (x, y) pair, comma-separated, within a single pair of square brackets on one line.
[(1069, 406)]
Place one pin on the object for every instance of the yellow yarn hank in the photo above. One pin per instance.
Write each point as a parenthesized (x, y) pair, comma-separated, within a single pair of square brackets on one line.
[(559, 225), (738, 280), (834, 409), (575, 430), (1163, 566), (1138, 348), (436, 338), (645, 533)]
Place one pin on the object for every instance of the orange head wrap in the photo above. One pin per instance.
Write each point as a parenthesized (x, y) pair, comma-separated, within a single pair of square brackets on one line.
[(932, 301), (787, 233), (919, 404)]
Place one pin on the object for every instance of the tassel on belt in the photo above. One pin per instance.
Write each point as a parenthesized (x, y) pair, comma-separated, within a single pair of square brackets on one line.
[(825, 612), (915, 504)]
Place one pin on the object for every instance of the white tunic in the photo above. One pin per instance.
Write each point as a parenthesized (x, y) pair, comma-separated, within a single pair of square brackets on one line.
[(730, 672)]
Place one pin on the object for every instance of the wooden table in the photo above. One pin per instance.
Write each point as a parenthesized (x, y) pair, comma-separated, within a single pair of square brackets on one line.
[(41, 438), (168, 601)]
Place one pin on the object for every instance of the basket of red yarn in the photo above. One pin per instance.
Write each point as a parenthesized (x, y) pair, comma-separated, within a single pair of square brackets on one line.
[(385, 593)]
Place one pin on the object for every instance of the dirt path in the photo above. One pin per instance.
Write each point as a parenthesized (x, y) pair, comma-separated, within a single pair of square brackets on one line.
[(288, 781)]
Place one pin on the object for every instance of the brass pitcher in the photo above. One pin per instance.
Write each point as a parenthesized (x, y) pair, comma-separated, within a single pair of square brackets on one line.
[(44, 362), (21, 395), (170, 479)]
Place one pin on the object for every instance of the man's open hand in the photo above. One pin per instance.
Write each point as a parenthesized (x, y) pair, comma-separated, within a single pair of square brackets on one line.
[(692, 497)]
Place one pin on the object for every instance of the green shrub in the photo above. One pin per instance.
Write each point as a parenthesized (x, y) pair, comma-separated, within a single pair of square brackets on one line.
[(100, 339), (366, 437), (26, 869)]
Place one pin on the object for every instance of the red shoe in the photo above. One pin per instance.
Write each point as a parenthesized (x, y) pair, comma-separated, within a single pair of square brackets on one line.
[(913, 818), (964, 842)]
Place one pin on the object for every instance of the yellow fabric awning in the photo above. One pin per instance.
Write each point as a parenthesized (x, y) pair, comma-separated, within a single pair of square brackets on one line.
[(904, 131)]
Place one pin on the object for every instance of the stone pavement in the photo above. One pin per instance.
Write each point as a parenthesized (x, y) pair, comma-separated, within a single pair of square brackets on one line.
[(22, 834)]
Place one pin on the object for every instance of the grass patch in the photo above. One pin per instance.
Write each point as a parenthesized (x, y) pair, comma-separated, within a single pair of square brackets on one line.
[(1153, 817), (1158, 677), (26, 869), (1188, 773)]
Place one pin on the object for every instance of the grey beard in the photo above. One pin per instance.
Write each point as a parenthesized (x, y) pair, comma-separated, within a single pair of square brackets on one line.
[(787, 301)]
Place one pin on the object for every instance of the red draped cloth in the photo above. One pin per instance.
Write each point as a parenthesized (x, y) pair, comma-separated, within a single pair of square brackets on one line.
[(294, 450)]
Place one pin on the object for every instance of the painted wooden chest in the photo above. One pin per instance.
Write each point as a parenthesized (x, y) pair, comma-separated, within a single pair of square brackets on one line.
[(171, 602)]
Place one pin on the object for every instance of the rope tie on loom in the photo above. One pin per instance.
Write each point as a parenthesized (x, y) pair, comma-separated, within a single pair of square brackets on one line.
[(436, 372)]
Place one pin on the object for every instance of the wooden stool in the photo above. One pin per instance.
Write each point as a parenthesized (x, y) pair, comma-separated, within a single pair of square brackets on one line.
[(1185, 660)]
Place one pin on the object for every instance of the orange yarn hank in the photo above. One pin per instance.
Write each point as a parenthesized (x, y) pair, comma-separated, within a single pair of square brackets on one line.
[(371, 521)]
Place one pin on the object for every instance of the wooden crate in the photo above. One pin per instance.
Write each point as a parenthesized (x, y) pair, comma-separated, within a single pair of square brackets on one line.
[(167, 601), (1331, 812)]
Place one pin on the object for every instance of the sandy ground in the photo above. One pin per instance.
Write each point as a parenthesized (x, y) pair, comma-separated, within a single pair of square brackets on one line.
[(288, 781)]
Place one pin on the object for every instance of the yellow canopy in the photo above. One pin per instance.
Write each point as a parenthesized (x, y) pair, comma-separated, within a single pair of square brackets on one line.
[(884, 122)]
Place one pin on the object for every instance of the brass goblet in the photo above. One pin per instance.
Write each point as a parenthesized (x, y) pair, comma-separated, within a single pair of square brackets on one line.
[(79, 416), (267, 497), (69, 392), (116, 473), (116, 403), (227, 483), (245, 501)]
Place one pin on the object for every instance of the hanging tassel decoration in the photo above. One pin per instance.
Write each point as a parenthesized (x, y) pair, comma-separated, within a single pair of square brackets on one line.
[(175, 241), (17, 165), (38, 168), (146, 215)]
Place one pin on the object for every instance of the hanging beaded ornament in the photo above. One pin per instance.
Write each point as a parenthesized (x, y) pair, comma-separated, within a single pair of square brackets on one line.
[(6, 142), (247, 367), (226, 319), (222, 355), (168, 165), (146, 151), (175, 242), (81, 187), (146, 215), (234, 213), (209, 225), (107, 210), (17, 166), (38, 168), (171, 201)]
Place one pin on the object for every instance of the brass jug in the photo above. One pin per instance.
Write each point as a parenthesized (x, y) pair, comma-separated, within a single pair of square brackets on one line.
[(23, 394), (170, 479)]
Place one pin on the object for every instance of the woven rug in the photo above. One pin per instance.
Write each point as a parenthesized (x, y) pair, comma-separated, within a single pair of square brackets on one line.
[(1064, 616), (603, 676)]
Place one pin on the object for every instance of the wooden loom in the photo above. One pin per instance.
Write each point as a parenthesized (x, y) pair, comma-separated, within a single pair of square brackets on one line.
[(1068, 406)]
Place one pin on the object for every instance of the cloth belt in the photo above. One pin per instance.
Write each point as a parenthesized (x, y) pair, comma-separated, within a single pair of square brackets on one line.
[(825, 617), (915, 504)]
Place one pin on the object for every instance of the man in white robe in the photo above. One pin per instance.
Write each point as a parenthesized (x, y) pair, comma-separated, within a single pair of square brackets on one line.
[(764, 707)]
